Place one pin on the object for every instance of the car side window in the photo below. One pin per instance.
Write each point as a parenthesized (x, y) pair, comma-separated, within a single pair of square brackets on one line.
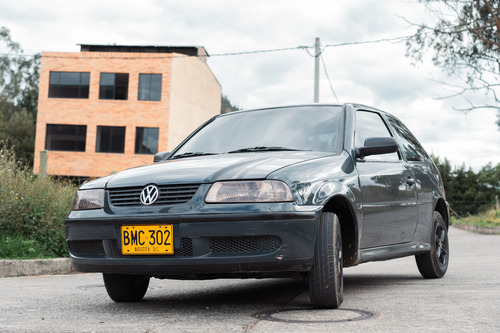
[(412, 149), (370, 124)]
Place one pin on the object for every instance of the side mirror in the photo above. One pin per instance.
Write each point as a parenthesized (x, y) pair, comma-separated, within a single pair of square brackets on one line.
[(161, 156), (377, 146)]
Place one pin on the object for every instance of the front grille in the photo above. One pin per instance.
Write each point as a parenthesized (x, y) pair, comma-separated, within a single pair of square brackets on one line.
[(186, 250), (245, 244), (86, 247), (169, 195)]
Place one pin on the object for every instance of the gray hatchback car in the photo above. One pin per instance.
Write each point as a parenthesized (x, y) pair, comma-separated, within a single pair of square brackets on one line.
[(299, 191)]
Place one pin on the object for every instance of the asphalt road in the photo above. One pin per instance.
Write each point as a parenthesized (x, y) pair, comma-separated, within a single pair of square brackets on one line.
[(378, 297)]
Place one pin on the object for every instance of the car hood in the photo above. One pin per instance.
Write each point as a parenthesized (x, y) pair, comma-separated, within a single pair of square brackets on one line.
[(208, 169)]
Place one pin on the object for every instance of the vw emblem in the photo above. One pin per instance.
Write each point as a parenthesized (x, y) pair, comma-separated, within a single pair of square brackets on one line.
[(149, 195)]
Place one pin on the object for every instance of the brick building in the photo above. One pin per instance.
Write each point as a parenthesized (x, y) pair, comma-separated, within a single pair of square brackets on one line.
[(108, 108)]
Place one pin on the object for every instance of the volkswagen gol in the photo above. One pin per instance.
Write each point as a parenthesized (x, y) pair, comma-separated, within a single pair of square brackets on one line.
[(300, 191)]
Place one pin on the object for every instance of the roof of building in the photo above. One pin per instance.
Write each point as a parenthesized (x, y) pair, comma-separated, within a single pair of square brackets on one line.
[(187, 50)]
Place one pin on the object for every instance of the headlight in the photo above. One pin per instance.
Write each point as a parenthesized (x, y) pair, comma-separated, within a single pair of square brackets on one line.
[(249, 191), (88, 199)]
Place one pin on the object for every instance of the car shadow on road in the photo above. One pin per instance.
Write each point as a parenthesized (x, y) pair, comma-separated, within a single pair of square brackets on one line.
[(191, 297), (245, 294), (379, 279)]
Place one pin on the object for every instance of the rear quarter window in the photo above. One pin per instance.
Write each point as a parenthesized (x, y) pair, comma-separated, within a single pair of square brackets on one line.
[(412, 149)]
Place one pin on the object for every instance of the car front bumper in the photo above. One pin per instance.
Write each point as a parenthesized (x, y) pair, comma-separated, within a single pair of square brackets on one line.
[(260, 243)]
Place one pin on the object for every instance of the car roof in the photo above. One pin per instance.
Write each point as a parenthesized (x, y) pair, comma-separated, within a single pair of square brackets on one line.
[(277, 107), (355, 105)]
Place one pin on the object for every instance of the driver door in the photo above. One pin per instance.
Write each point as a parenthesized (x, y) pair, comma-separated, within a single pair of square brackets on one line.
[(387, 188)]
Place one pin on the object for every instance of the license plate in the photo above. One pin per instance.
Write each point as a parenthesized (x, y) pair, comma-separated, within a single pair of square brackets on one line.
[(147, 239)]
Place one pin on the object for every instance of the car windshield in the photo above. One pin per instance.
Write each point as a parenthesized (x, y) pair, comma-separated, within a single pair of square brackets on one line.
[(315, 128)]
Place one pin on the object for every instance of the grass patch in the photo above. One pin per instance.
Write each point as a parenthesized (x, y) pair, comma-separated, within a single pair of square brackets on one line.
[(490, 218), (32, 210), (18, 247)]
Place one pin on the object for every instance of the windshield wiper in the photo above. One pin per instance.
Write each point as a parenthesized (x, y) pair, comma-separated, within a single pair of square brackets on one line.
[(261, 148), (192, 154)]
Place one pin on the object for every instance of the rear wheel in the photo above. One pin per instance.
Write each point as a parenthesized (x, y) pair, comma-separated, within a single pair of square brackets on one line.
[(125, 288), (435, 263), (326, 277)]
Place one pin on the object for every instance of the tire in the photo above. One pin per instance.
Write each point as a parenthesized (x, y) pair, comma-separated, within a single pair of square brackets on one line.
[(326, 285), (125, 288), (434, 264)]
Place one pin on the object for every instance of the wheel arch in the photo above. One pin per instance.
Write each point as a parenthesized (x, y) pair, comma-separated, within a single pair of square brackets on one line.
[(344, 211), (442, 208)]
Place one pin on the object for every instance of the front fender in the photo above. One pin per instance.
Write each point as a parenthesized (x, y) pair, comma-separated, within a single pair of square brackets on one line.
[(316, 181), (319, 193)]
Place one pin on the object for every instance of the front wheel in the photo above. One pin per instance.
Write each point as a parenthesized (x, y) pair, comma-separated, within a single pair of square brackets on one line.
[(434, 264), (326, 275), (125, 288)]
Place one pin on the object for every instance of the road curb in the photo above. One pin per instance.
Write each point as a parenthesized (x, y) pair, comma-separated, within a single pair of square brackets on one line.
[(11, 268), (475, 228)]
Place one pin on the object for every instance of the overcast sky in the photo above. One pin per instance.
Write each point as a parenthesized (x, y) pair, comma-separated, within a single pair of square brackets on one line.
[(376, 74)]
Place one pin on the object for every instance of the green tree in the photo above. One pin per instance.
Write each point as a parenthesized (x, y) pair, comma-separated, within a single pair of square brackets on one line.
[(489, 178), (469, 192), (226, 106), (19, 78), (19, 133), (464, 41)]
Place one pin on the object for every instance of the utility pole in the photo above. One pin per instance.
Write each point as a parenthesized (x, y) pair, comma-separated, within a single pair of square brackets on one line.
[(317, 51)]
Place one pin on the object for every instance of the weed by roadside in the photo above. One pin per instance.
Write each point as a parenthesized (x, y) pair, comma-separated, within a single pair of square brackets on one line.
[(490, 218), (18, 247), (32, 208)]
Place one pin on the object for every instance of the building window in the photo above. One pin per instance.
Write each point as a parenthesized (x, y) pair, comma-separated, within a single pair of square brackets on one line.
[(110, 139), (149, 87), (69, 85), (146, 140), (65, 137), (113, 86)]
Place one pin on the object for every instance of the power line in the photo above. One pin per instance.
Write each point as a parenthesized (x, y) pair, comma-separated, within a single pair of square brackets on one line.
[(394, 40), (328, 77), (256, 51), (306, 48)]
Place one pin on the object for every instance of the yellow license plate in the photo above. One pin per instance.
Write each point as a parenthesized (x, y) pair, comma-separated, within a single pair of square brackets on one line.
[(147, 239)]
